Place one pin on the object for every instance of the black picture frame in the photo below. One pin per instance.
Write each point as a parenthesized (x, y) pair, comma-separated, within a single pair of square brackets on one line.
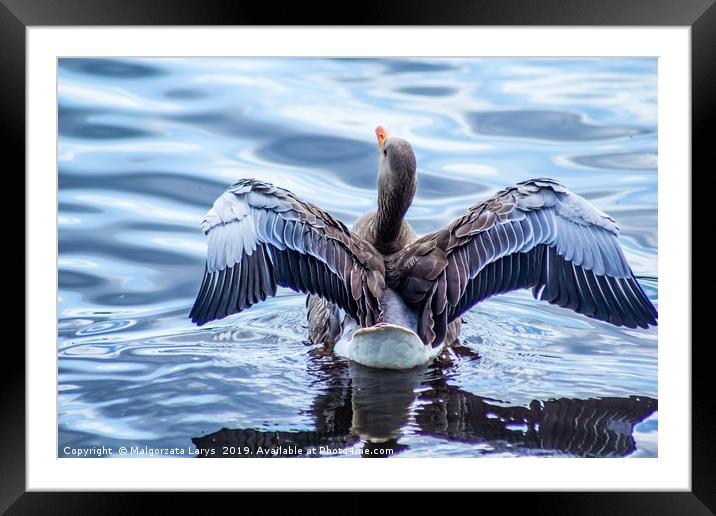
[(17, 15)]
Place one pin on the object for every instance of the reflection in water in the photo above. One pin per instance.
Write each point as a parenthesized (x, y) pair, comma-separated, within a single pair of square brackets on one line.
[(367, 409)]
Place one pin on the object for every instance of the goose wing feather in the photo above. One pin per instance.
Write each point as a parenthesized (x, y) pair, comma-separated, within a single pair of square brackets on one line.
[(261, 237), (536, 235)]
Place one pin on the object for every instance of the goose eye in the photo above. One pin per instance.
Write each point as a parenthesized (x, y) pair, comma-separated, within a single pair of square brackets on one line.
[(385, 152)]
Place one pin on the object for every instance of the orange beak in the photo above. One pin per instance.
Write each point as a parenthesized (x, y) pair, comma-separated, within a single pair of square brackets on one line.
[(382, 135)]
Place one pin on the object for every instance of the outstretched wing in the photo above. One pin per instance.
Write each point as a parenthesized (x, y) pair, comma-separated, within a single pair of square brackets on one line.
[(261, 236), (535, 234)]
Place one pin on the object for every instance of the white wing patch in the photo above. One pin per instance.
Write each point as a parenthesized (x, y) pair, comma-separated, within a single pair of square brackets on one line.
[(230, 229), (581, 233), (577, 209)]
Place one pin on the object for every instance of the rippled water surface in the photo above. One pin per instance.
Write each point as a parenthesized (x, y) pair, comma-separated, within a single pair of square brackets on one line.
[(147, 145)]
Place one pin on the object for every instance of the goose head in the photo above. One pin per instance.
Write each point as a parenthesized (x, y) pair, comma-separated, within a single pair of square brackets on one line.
[(396, 159)]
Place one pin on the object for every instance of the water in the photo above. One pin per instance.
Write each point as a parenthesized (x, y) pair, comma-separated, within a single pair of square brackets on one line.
[(147, 145)]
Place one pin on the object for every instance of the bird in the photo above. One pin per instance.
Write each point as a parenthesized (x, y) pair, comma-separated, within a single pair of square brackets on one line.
[(383, 297)]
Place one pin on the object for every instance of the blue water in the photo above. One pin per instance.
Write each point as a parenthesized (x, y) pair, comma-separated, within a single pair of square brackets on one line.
[(145, 146)]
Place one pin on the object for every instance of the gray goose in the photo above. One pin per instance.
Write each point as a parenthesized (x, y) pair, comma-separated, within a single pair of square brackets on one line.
[(382, 297)]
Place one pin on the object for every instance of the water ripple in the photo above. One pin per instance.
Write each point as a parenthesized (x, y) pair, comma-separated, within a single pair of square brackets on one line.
[(113, 68), (84, 123), (544, 125), (428, 91), (619, 161)]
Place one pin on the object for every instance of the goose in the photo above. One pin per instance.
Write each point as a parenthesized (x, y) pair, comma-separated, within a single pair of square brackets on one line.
[(382, 297)]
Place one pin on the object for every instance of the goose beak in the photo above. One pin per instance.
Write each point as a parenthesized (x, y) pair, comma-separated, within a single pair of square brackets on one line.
[(382, 135)]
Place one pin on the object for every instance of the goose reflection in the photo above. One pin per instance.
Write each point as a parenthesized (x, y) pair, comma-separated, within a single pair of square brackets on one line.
[(368, 411)]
